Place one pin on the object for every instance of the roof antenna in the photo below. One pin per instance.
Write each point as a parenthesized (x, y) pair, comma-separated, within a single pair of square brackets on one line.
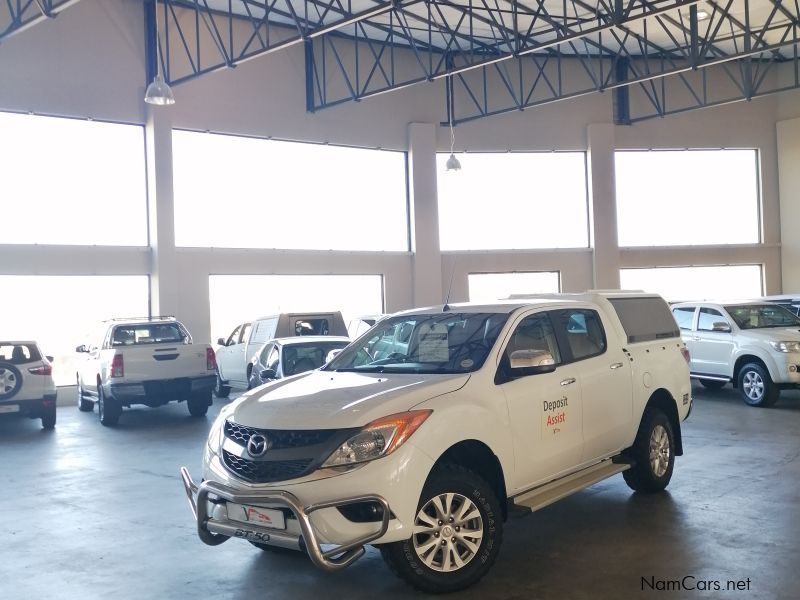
[(446, 306)]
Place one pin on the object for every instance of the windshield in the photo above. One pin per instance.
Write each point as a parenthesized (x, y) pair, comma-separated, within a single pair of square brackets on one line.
[(758, 316), (430, 343)]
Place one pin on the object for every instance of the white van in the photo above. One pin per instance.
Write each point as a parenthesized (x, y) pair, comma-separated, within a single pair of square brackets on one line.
[(234, 357)]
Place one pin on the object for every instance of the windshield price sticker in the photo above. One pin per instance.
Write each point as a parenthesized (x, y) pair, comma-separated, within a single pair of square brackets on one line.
[(433, 345)]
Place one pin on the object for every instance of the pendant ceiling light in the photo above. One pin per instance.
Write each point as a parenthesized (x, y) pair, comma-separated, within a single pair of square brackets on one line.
[(452, 163), (158, 92)]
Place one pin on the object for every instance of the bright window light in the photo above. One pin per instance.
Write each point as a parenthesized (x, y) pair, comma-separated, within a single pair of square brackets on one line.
[(68, 181), (678, 284), (237, 192), (687, 197), (487, 287), (62, 312), (237, 299), (513, 201)]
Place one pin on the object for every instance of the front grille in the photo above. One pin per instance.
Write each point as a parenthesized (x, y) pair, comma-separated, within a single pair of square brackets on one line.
[(279, 439), (265, 471)]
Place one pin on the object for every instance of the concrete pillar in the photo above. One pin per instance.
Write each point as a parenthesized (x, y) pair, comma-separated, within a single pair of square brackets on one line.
[(424, 214), (789, 197), (164, 271), (603, 206)]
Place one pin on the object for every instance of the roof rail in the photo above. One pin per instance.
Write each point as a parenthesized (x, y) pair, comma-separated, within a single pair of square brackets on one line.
[(145, 319)]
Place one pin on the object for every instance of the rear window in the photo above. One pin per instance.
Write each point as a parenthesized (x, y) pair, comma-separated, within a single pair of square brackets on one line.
[(645, 319), (148, 333), (312, 327), (19, 354)]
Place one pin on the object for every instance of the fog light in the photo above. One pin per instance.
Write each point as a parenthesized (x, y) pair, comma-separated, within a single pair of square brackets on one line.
[(792, 368)]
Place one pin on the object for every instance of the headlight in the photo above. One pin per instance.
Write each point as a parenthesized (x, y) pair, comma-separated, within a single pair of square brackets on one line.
[(377, 439), (786, 346)]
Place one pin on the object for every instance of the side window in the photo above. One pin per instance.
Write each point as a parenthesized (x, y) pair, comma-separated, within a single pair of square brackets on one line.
[(684, 317), (707, 318), (246, 331), (234, 337), (534, 334), (273, 359), (583, 332)]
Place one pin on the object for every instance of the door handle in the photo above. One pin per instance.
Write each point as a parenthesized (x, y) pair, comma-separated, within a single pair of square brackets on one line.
[(568, 381), (616, 366)]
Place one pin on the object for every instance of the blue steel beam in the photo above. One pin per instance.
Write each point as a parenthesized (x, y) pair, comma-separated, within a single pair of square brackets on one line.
[(18, 15)]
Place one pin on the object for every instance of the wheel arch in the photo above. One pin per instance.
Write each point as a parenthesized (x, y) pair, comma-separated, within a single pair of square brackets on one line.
[(479, 458), (664, 401), (746, 359)]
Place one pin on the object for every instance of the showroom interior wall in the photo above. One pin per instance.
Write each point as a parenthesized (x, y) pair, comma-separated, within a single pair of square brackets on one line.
[(55, 68)]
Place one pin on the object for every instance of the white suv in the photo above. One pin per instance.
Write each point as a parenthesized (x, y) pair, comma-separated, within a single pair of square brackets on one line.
[(753, 344), (26, 382)]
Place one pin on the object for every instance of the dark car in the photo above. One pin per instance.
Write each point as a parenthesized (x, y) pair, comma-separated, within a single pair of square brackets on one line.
[(285, 357)]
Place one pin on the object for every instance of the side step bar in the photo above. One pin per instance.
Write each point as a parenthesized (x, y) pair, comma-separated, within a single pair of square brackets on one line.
[(554, 491)]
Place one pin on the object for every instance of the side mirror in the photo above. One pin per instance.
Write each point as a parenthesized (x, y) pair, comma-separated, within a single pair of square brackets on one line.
[(82, 348), (531, 362), (221, 341), (268, 374), (333, 354), (50, 359), (721, 326)]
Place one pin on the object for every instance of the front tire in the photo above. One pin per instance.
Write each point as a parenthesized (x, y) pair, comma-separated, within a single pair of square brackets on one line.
[(756, 386), (107, 409), (457, 533), (198, 404), (83, 404), (653, 453), (220, 389)]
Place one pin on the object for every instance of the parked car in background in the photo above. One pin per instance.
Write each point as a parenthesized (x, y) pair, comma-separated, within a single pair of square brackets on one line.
[(234, 358), (754, 345), (359, 325), (148, 361), (26, 382), (285, 357), (788, 301)]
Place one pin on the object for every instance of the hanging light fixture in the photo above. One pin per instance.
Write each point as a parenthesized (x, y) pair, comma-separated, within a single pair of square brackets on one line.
[(452, 163), (158, 92)]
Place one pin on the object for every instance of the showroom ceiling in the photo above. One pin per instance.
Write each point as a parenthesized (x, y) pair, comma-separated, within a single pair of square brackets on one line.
[(495, 56)]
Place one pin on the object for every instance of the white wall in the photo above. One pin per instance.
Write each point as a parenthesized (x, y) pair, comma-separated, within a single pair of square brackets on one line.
[(89, 62)]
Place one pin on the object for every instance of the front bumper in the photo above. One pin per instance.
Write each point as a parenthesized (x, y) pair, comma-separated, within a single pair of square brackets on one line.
[(214, 531)]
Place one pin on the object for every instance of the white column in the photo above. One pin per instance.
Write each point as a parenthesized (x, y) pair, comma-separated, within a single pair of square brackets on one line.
[(164, 269), (603, 206), (424, 217), (789, 197)]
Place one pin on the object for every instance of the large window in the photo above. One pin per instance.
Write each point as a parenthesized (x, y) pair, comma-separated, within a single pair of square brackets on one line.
[(687, 197), (236, 192), (487, 287), (67, 181), (61, 312), (696, 283), (236, 299), (513, 201)]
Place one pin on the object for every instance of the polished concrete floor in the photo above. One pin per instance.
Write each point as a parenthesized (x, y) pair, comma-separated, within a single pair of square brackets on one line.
[(89, 512)]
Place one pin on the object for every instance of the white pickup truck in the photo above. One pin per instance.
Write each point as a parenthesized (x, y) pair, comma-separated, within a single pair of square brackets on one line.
[(146, 361), (481, 412)]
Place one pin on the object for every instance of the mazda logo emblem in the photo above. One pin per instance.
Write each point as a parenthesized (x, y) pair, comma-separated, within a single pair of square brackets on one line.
[(257, 445)]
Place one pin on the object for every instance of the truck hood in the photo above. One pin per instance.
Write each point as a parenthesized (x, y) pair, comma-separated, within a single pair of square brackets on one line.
[(330, 400)]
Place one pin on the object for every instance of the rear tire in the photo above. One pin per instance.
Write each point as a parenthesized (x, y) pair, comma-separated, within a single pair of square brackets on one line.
[(712, 384), (458, 532), (83, 404), (10, 380), (653, 453), (198, 404), (756, 386), (49, 417), (107, 409), (220, 389)]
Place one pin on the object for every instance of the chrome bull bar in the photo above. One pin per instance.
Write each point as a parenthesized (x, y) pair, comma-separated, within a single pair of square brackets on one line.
[(213, 532)]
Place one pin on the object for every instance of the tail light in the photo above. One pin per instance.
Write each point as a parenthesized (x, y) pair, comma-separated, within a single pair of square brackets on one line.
[(43, 370), (117, 367), (211, 360), (686, 356)]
